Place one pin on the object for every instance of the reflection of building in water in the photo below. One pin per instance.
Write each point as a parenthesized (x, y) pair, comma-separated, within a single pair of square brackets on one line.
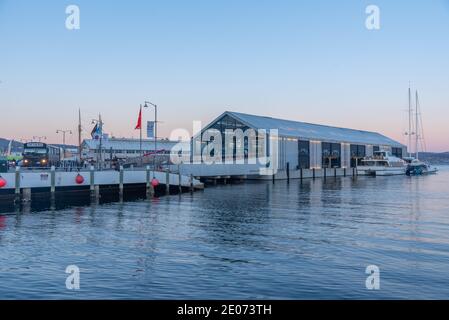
[(305, 145)]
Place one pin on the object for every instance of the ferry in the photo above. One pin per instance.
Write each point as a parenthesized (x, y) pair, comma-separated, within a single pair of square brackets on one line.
[(382, 163)]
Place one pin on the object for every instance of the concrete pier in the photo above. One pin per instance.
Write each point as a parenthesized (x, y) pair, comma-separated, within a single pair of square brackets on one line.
[(22, 184)]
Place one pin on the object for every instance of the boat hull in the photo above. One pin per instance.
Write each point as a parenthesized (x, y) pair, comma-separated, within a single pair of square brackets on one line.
[(376, 171), (420, 171)]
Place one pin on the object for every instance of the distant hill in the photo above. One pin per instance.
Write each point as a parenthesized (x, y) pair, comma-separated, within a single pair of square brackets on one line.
[(68, 146), (16, 146), (435, 158)]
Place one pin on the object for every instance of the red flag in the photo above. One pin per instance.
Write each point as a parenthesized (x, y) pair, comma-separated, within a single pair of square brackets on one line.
[(139, 121)]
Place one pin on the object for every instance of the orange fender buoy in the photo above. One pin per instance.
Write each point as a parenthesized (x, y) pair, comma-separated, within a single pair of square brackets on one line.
[(79, 179), (3, 182), (155, 182)]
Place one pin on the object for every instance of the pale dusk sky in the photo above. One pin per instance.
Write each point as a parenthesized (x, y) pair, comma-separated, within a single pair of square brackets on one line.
[(312, 61)]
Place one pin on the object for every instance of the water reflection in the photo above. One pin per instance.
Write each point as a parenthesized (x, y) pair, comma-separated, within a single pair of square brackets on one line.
[(303, 239)]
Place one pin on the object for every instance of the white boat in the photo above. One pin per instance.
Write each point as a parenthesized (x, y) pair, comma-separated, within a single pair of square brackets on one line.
[(382, 163), (414, 165), (417, 167)]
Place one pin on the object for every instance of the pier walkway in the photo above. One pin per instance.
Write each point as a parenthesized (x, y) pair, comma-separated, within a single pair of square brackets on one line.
[(22, 183)]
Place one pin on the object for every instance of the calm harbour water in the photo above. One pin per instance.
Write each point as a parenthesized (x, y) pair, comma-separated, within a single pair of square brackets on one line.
[(243, 241)]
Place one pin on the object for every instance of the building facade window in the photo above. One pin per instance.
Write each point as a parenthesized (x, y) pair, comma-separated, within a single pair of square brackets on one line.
[(229, 123), (303, 154), (331, 154), (358, 152), (397, 152)]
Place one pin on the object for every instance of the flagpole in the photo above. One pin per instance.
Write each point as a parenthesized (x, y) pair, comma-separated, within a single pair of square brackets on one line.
[(79, 135), (141, 155), (155, 132), (101, 142)]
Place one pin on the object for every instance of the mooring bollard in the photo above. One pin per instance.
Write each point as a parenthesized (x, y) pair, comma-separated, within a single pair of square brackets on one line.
[(301, 174), (344, 172), (335, 172), (121, 179), (53, 180), (313, 172), (288, 172), (167, 182), (191, 183)]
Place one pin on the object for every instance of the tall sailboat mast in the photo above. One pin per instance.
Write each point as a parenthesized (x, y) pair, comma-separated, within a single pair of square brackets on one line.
[(79, 133), (417, 127), (409, 133)]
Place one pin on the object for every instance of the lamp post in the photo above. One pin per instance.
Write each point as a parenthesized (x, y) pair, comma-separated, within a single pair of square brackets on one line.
[(146, 105), (63, 137), (39, 138)]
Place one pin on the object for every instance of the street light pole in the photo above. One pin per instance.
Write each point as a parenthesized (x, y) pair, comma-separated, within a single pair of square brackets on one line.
[(63, 137), (155, 130), (39, 138)]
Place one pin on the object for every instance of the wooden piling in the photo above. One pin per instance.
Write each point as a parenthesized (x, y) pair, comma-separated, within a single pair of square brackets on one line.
[(179, 181), (97, 191), (17, 183), (26, 194), (167, 182), (121, 181), (92, 180), (147, 177), (148, 181), (288, 172), (53, 180), (191, 183)]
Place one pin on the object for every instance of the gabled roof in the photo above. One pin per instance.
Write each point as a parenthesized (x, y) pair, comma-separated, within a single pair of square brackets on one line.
[(309, 131)]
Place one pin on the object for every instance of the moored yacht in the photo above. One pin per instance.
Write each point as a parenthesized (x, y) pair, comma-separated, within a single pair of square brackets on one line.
[(382, 163), (415, 166)]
